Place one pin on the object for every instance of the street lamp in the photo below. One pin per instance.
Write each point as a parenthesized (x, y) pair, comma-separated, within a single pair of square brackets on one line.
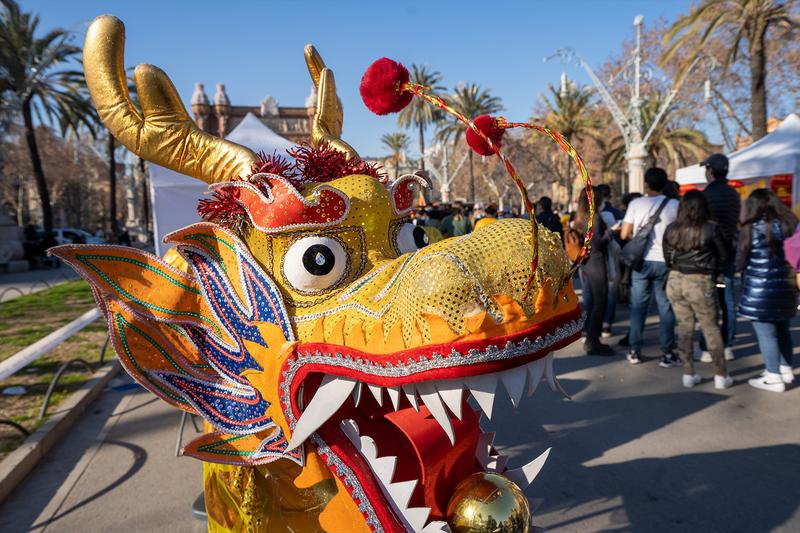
[(631, 125)]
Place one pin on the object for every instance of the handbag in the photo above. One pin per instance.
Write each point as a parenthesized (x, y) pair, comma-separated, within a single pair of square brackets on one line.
[(573, 244), (633, 252), (791, 251)]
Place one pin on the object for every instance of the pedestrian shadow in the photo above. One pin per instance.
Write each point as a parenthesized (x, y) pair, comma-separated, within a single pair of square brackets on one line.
[(737, 490), (753, 489), (139, 456)]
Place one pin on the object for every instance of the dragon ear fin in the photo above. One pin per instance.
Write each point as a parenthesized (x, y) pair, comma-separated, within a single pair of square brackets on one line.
[(243, 450)]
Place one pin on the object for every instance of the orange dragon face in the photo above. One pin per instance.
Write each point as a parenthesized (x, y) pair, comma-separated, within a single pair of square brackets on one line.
[(328, 343)]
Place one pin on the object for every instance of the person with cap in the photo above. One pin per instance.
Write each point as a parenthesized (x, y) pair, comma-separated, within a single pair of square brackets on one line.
[(725, 205)]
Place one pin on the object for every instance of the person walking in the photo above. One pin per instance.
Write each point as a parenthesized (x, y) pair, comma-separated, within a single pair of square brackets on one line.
[(769, 287), (725, 205), (594, 276), (651, 278), (547, 218), (456, 223), (611, 217), (694, 247), (489, 216)]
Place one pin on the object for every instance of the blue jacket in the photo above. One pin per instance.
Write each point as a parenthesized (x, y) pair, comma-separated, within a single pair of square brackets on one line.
[(769, 289)]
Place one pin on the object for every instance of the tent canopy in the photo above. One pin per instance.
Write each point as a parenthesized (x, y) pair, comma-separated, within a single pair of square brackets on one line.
[(175, 196), (774, 154)]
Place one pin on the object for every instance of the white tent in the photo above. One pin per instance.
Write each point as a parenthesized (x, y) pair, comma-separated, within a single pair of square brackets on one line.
[(175, 196), (776, 154)]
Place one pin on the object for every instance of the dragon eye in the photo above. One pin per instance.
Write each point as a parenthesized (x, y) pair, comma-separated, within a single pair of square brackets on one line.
[(411, 238), (314, 263)]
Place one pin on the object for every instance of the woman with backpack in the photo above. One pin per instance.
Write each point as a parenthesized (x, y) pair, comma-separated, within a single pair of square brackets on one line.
[(769, 287), (693, 250)]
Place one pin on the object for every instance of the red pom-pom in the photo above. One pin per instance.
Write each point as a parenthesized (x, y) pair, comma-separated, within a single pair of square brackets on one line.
[(486, 124), (380, 87)]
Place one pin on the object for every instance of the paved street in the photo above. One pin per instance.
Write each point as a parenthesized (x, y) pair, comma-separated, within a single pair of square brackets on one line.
[(632, 451), (20, 283)]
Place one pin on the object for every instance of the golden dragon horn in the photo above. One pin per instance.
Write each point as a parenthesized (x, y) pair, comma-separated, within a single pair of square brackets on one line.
[(327, 123), (162, 132)]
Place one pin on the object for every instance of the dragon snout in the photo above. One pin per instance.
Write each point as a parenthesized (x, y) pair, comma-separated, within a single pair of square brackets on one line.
[(468, 281)]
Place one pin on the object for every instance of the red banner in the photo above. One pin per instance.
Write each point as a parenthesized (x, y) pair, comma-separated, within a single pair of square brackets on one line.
[(781, 185)]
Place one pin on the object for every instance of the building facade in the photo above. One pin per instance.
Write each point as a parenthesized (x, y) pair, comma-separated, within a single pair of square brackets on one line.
[(219, 117)]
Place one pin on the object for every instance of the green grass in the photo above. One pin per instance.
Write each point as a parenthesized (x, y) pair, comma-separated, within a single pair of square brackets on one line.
[(27, 319), (24, 321)]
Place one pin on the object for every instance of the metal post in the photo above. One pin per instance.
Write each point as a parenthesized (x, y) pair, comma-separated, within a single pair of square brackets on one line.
[(637, 151)]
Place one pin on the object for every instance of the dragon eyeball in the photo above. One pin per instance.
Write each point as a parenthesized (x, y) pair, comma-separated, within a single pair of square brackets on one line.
[(411, 238), (314, 263)]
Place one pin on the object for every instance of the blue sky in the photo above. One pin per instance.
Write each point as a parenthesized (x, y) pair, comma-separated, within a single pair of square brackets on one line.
[(256, 48)]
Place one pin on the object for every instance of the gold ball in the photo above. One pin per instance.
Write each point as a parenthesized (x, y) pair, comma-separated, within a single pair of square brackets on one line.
[(485, 502)]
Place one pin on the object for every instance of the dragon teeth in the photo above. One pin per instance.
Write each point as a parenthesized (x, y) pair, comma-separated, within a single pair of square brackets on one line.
[(440, 397), (394, 396), (332, 393), (399, 493), (514, 382), (411, 395), (535, 374), (377, 392), (357, 393), (483, 389), (525, 475), (428, 394), (451, 392)]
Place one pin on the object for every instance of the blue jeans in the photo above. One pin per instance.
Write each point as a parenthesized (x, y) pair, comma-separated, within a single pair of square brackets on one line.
[(611, 307), (651, 279), (775, 343)]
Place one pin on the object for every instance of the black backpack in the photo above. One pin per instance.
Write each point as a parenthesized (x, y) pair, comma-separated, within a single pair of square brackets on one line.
[(633, 252)]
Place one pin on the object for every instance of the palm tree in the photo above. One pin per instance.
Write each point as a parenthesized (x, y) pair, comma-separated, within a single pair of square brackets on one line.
[(419, 113), (471, 101), (34, 76), (397, 143), (748, 22), (671, 143), (570, 111)]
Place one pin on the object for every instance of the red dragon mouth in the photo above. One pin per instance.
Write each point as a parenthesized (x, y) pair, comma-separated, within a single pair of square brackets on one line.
[(399, 432)]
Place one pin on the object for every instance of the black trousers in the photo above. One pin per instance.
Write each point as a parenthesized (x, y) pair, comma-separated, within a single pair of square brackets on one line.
[(594, 277)]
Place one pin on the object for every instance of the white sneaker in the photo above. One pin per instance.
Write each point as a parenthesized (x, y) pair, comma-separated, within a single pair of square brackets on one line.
[(787, 374), (705, 357), (690, 380), (769, 381), (729, 354), (723, 382)]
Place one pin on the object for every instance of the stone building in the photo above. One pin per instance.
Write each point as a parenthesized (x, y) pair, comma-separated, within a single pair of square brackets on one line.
[(219, 117)]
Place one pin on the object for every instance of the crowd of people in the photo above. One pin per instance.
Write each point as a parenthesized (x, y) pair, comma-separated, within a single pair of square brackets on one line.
[(687, 253)]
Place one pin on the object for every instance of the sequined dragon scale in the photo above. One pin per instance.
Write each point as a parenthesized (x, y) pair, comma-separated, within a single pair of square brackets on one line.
[(331, 341)]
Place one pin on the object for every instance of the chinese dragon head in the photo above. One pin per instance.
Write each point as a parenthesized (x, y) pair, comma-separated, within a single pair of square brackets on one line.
[(324, 340)]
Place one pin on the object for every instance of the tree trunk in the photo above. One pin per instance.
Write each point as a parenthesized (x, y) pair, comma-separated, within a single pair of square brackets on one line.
[(112, 184), (421, 146), (570, 182), (471, 179), (145, 199), (38, 171), (396, 167), (758, 89)]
